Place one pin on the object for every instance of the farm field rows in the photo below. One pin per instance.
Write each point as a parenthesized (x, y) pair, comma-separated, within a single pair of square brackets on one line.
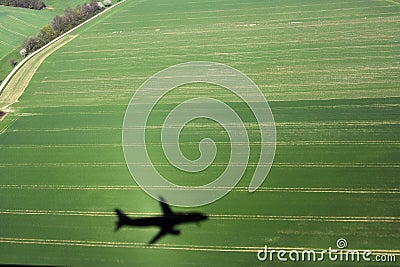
[(330, 71)]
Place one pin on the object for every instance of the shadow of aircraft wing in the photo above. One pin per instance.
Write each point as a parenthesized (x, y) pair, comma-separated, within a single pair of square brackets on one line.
[(160, 234), (165, 207)]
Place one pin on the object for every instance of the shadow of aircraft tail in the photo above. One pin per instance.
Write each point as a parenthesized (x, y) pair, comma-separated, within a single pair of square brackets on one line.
[(122, 219)]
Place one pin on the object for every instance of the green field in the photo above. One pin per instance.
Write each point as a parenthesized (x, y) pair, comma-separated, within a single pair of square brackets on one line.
[(18, 23), (331, 73)]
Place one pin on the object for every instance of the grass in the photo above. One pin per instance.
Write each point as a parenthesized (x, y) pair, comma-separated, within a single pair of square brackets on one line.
[(332, 84), (18, 23), (21, 79)]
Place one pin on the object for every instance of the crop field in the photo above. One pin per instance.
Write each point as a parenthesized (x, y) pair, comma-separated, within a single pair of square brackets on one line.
[(16, 24), (330, 71)]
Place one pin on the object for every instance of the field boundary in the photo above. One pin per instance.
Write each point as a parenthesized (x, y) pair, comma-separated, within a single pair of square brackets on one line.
[(22, 63), (21, 79)]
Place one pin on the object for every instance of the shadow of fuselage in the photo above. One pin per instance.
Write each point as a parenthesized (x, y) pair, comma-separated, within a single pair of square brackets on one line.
[(166, 222)]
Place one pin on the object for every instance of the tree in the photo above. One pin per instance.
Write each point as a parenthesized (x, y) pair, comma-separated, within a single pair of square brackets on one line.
[(58, 24), (69, 17), (100, 5), (29, 44), (45, 35), (94, 6), (32, 4), (61, 24)]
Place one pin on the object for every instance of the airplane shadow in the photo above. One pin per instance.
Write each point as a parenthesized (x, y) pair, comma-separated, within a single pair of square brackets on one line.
[(166, 222)]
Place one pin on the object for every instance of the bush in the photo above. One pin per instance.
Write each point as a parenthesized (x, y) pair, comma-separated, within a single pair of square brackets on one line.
[(12, 62), (107, 3)]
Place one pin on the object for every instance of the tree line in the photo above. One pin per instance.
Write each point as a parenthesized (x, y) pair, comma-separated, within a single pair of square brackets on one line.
[(61, 24), (32, 4)]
